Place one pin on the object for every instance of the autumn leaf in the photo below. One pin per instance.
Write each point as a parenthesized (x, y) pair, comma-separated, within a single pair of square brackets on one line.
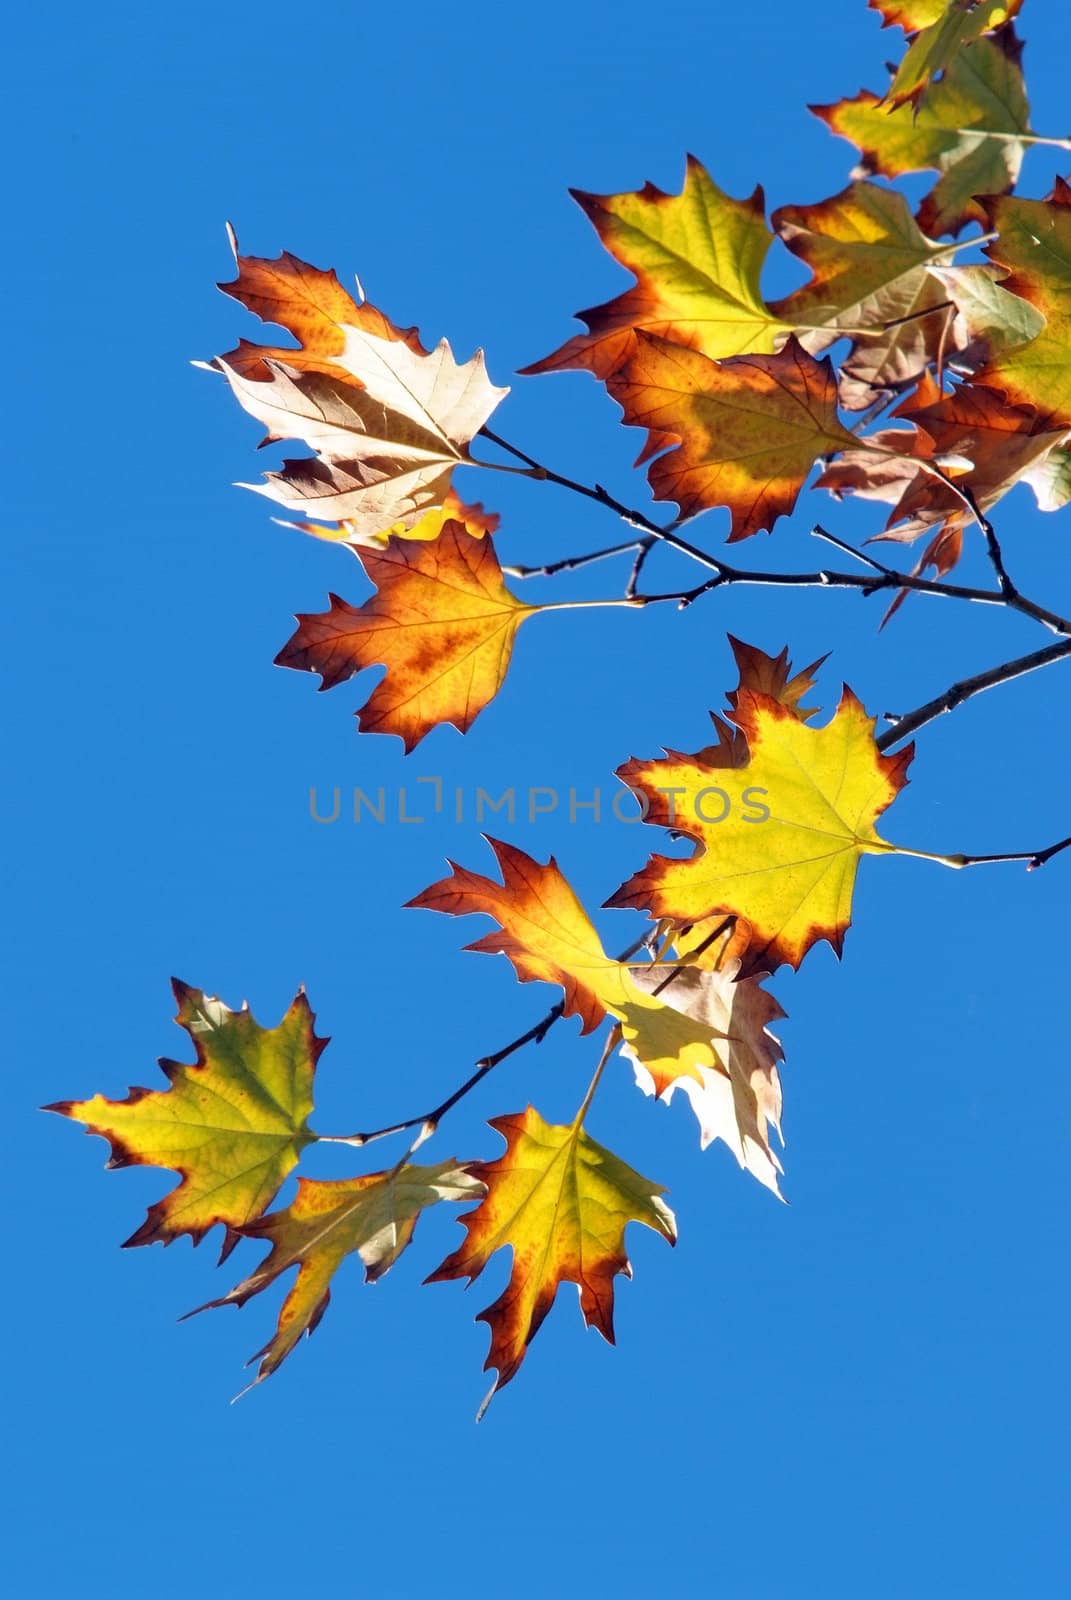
[(561, 1202), (372, 1216), (697, 258), (547, 935), (307, 302), (233, 1123), (544, 930), (789, 874), (869, 263), (388, 423), (981, 93), (474, 519), (739, 1100), (989, 321), (995, 444), (750, 428), (1050, 479), (763, 674), (1035, 249), (949, 26), (1001, 441), (442, 622)]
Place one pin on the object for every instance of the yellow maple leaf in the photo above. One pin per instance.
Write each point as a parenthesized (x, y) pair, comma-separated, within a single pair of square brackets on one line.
[(940, 28), (780, 837), (562, 1203)]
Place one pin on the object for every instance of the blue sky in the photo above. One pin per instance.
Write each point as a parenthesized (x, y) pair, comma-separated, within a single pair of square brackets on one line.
[(860, 1394)]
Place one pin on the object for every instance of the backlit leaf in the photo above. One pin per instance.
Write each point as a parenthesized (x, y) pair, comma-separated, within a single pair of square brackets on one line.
[(740, 1099), (307, 302), (547, 935), (750, 428), (474, 519), (788, 874), (982, 92), (697, 257), (561, 1202), (372, 1216), (1035, 248), (233, 1123), (442, 623), (951, 25), (869, 263), (388, 423)]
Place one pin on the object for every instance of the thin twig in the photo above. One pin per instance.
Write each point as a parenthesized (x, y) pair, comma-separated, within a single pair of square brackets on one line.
[(1033, 858), (957, 693), (1046, 855), (603, 497), (818, 532), (643, 550), (570, 563), (428, 1121)]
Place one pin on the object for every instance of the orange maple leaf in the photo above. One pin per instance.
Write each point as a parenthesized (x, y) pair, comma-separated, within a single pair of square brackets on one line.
[(985, 443), (309, 303), (442, 622), (750, 428), (545, 931)]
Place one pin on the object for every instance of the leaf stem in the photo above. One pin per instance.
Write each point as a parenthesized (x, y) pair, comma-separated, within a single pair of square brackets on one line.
[(1010, 138), (613, 1039)]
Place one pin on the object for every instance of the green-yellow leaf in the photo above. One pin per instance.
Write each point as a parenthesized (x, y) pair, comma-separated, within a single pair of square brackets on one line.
[(951, 26), (697, 257), (1035, 248), (233, 1123), (982, 93)]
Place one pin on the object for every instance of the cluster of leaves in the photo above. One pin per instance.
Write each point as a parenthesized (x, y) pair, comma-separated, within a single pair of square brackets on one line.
[(953, 385)]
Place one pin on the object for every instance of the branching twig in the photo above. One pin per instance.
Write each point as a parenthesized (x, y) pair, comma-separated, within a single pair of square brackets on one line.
[(643, 550), (724, 574), (428, 1121), (570, 563)]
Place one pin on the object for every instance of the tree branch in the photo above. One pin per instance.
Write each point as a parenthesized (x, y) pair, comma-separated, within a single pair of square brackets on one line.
[(884, 578), (428, 1121), (966, 688)]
